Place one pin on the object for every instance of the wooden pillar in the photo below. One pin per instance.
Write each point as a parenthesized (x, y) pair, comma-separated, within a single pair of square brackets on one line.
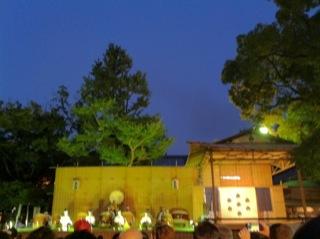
[(302, 193), (212, 185)]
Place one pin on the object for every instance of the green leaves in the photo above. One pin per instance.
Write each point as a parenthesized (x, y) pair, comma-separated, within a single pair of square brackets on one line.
[(14, 193), (109, 115), (111, 79), (272, 68), (146, 141), (307, 156), (275, 76), (113, 154), (28, 137), (117, 140)]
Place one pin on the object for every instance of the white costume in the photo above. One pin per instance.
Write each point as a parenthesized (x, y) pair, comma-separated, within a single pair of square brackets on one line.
[(65, 221), (119, 219), (145, 219), (90, 218)]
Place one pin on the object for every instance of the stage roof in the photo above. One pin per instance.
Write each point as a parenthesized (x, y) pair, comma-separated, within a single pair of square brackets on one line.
[(244, 147)]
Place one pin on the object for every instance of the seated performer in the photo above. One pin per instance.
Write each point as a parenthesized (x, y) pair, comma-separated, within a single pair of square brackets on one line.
[(145, 222), (90, 218), (160, 215), (167, 217), (47, 219), (129, 217), (65, 220), (107, 218), (119, 221)]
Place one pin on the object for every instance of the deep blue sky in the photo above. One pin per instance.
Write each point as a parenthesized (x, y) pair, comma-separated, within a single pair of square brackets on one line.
[(181, 45)]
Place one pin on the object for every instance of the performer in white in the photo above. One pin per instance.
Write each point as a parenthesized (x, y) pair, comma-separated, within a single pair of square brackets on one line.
[(65, 220), (90, 218), (119, 219), (145, 221)]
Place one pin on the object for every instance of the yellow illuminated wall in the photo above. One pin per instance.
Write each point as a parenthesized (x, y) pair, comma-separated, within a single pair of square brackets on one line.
[(79, 189), (82, 188)]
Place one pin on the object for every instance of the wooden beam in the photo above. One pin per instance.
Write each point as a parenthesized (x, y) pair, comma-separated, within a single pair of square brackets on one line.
[(302, 193)]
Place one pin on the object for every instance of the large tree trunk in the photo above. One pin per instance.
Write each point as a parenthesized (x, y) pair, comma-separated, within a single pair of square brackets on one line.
[(131, 156)]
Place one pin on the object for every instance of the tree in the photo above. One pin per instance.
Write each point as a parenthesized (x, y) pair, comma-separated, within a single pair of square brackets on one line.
[(18, 192), (116, 140), (21, 143), (28, 141), (62, 107), (111, 79), (146, 141), (308, 155), (96, 123), (28, 148), (109, 115), (275, 76)]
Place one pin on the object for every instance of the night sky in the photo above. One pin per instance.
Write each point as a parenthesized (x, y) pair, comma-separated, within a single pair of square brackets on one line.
[(180, 44)]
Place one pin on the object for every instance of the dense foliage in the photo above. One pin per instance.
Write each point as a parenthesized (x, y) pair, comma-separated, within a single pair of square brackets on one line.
[(16, 192), (109, 115), (28, 141), (28, 149), (275, 76), (116, 140), (112, 79)]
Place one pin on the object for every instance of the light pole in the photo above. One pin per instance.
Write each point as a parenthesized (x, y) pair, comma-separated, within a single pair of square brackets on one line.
[(211, 160)]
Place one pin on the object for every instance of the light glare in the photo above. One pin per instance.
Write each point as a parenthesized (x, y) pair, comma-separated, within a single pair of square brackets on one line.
[(264, 130)]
